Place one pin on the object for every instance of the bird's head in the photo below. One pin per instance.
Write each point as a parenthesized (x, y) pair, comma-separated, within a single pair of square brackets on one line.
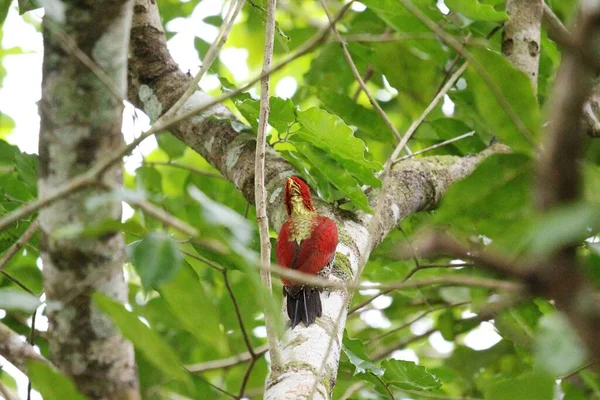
[(297, 197)]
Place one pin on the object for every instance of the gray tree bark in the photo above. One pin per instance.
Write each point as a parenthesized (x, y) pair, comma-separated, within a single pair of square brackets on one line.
[(521, 41), (80, 124)]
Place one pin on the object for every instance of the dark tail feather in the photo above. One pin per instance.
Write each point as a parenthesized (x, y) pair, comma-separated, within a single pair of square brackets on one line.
[(303, 305)]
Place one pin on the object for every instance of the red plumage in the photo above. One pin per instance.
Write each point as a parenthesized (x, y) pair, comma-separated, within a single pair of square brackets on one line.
[(306, 243)]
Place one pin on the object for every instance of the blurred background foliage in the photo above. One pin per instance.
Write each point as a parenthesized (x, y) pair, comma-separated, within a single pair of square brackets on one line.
[(186, 297)]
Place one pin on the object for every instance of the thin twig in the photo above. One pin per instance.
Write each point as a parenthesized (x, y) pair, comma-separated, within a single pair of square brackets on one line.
[(205, 260), (416, 123), (578, 370), (239, 315), (260, 192), (227, 362), (194, 170), (5, 392), (412, 321), (32, 343), (436, 146), (358, 77), (458, 47), (18, 245), (556, 30), (389, 392), (209, 57), (17, 282), (246, 377), (70, 46), (436, 395), (92, 176)]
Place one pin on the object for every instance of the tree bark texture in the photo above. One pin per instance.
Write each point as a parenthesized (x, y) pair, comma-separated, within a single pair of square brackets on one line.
[(521, 41), (80, 124)]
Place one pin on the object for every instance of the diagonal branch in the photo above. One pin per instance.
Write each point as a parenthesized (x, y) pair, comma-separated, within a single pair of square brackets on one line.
[(16, 349)]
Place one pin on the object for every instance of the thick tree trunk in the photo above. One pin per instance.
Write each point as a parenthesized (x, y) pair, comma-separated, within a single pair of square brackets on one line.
[(80, 124)]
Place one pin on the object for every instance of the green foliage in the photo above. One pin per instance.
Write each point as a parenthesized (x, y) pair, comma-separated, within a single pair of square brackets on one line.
[(51, 383), (179, 310), (156, 258), (145, 340)]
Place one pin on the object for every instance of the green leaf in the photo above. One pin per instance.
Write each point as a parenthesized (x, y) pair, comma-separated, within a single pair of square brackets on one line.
[(218, 214), (519, 324), (281, 113), (558, 349), (335, 174), (16, 299), (51, 383), (191, 305), (354, 114), (532, 386), (145, 340), (473, 9), (171, 145), (355, 351), (408, 375), (517, 90), (495, 194), (329, 133), (156, 258), (563, 226)]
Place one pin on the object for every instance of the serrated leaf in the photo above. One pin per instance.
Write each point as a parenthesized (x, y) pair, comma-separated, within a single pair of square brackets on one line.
[(145, 340), (51, 383), (156, 259), (190, 304), (408, 375), (336, 175), (558, 349), (329, 133), (517, 90), (474, 10), (281, 113)]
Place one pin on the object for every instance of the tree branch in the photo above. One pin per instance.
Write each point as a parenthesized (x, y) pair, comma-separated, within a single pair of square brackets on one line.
[(16, 349), (260, 192)]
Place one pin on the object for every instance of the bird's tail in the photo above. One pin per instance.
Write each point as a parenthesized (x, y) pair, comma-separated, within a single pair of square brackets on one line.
[(303, 304)]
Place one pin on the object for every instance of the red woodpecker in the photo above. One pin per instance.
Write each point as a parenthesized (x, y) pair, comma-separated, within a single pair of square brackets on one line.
[(306, 243)]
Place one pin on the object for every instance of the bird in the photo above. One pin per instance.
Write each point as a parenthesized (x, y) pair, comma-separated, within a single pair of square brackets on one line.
[(306, 243)]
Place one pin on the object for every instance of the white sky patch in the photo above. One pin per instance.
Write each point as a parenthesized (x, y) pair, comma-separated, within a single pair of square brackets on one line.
[(375, 319), (438, 342), (461, 84), (210, 82), (421, 326), (135, 122), (467, 314), (448, 106), (2, 314), (405, 355), (286, 87), (179, 46), (235, 60), (483, 337), (144, 321), (358, 7), (260, 332), (22, 84), (127, 211), (442, 7), (382, 302)]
